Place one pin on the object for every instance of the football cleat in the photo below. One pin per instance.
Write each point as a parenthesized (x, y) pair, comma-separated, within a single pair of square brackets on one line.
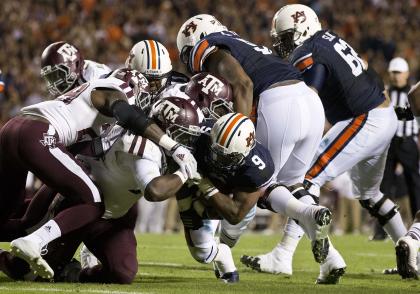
[(406, 251), (390, 271), (230, 278), (268, 263), (332, 269), (30, 252), (317, 227)]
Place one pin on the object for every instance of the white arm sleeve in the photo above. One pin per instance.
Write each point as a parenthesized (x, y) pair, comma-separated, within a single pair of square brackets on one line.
[(146, 171)]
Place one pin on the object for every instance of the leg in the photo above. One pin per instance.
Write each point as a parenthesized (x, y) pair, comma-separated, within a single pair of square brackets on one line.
[(114, 244), (59, 170)]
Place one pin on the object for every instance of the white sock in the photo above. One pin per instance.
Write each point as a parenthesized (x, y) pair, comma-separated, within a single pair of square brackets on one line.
[(414, 231), (282, 201), (395, 227), (224, 259), (45, 234)]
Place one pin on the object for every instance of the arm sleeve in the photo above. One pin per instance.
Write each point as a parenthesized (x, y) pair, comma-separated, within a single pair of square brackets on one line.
[(130, 117)]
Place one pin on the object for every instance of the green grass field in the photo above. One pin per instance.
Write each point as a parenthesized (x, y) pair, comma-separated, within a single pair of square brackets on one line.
[(165, 266)]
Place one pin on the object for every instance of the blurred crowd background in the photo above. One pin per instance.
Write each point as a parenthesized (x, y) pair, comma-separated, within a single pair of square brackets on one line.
[(105, 31)]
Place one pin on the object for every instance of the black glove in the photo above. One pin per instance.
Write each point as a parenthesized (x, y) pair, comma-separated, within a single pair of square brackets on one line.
[(404, 113)]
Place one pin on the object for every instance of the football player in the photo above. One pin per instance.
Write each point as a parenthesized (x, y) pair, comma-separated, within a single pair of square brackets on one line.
[(37, 141), (64, 68), (233, 163), (285, 103), (152, 59), (363, 126)]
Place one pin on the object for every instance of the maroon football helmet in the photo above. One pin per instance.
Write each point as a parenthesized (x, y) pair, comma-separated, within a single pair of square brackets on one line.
[(139, 86), (212, 93), (181, 120), (61, 67)]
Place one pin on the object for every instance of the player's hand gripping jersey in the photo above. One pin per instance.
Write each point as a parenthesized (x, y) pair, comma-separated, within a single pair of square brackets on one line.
[(73, 113), (349, 90), (263, 68)]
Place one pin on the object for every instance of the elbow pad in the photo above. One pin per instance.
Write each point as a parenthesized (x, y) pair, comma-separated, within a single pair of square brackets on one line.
[(130, 117)]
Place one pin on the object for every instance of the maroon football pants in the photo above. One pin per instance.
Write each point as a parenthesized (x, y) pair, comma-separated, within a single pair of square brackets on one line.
[(32, 145)]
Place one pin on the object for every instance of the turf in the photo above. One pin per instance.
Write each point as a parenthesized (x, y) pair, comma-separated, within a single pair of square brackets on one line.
[(165, 266)]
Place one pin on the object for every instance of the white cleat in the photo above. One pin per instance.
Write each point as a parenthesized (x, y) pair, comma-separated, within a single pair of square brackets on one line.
[(406, 250), (87, 259), (316, 224), (269, 263), (31, 252), (332, 269)]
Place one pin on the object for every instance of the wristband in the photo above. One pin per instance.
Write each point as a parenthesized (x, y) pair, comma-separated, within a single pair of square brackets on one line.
[(181, 176), (211, 193), (167, 143)]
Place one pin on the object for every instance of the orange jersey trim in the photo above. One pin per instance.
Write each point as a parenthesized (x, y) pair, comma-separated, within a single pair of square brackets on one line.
[(307, 62), (199, 54)]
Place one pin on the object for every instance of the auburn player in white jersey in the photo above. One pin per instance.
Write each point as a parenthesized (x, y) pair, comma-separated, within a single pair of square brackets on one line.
[(37, 141)]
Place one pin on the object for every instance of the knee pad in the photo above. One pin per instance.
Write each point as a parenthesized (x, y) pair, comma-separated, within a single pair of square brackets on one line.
[(204, 254), (374, 209)]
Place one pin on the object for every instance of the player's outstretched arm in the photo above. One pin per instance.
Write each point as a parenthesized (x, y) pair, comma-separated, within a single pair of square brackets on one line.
[(114, 103), (164, 187), (223, 64), (232, 209)]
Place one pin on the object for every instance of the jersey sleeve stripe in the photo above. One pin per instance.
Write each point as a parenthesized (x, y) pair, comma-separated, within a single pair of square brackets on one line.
[(199, 54), (153, 51), (142, 146), (301, 58), (341, 141), (304, 64), (133, 144)]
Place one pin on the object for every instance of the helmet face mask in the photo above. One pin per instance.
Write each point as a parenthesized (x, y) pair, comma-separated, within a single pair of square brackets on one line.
[(152, 59), (186, 136), (292, 25), (219, 108), (59, 79), (223, 160), (284, 43)]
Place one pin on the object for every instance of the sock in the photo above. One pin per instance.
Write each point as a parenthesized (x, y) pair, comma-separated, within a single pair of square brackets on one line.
[(282, 201), (45, 234), (414, 231), (224, 259), (395, 227)]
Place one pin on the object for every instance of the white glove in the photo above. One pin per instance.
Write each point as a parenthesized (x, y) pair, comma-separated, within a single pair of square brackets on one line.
[(186, 161), (110, 135)]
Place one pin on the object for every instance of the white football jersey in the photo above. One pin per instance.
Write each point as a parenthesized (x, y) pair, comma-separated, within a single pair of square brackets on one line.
[(123, 174), (73, 114), (93, 70)]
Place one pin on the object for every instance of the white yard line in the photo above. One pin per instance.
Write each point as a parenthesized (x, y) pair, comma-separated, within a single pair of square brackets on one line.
[(77, 290)]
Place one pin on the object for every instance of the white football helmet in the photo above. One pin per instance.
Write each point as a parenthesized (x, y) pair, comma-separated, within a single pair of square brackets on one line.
[(152, 59), (232, 138), (193, 30), (291, 26)]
